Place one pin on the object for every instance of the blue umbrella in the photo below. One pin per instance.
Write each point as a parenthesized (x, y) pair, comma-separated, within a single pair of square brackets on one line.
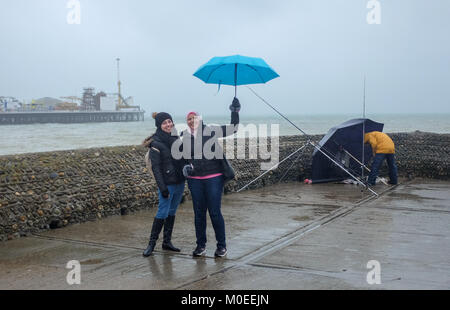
[(235, 70)]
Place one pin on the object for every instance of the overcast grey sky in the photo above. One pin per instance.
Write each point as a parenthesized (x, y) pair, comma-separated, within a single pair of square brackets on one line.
[(321, 50)]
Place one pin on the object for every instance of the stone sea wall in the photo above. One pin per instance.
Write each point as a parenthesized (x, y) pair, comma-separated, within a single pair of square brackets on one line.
[(42, 191)]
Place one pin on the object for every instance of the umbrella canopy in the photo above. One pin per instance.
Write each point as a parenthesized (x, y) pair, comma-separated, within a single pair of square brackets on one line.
[(235, 70), (341, 143)]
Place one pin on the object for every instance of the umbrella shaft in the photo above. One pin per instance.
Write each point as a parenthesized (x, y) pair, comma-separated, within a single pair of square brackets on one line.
[(235, 79)]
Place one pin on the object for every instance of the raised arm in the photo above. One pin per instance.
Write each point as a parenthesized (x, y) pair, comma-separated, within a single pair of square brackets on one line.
[(228, 130)]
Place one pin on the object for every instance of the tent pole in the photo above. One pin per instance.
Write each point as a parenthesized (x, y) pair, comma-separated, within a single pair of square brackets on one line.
[(313, 144), (290, 167), (357, 160), (273, 167), (235, 79), (340, 166), (364, 128)]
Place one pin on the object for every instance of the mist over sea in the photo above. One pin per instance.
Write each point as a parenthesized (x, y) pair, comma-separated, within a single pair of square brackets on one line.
[(20, 139)]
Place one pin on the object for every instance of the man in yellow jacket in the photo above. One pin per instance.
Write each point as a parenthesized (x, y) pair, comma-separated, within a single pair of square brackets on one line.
[(383, 148)]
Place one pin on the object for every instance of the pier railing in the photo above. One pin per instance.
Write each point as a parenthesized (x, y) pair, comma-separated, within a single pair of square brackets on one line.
[(66, 117)]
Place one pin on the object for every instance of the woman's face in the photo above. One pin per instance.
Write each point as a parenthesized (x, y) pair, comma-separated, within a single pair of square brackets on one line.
[(193, 121), (167, 126)]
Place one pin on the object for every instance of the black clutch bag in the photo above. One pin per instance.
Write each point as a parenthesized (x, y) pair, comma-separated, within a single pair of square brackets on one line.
[(228, 171)]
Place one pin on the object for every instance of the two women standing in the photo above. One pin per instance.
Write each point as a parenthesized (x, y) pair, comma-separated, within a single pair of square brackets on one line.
[(203, 172)]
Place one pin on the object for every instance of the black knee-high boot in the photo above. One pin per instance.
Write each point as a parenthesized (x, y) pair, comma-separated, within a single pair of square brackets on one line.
[(168, 228), (156, 229)]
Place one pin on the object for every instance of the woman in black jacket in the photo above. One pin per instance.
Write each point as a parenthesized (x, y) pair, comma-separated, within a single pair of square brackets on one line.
[(205, 175), (169, 178)]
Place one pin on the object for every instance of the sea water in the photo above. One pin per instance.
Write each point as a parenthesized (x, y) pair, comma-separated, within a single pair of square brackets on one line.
[(18, 139)]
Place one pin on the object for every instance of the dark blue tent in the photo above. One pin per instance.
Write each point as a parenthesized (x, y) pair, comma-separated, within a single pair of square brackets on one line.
[(346, 137)]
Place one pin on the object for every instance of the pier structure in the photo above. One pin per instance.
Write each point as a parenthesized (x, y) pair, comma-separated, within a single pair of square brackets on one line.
[(65, 117)]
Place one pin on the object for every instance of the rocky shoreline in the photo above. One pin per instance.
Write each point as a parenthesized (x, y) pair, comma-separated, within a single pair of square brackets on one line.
[(41, 191)]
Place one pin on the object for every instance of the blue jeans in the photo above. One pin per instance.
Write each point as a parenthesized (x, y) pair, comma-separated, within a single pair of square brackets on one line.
[(207, 196), (376, 164), (168, 206)]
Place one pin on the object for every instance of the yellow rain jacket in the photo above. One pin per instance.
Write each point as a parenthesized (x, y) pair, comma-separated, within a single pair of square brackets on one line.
[(380, 142)]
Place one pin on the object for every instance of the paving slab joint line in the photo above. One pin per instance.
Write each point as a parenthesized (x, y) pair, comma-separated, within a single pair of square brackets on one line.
[(289, 238), (115, 246), (316, 272), (223, 270), (294, 203), (327, 273), (410, 209), (98, 244), (104, 245)]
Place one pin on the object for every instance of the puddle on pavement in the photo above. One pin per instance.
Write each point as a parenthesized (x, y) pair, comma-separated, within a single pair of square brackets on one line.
[(91, 262), (296, 206), (330, 196), (301, 218), (408, 196)]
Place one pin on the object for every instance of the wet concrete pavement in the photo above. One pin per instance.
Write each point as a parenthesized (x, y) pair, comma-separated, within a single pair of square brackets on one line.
[(287, 236)]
